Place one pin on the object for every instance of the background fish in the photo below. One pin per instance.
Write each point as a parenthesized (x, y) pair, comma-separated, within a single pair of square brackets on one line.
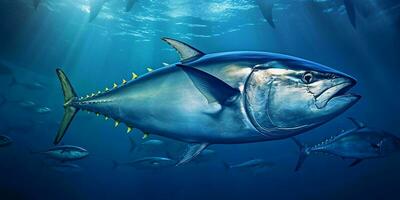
[(147, 163), (358, 144), (64, 153)]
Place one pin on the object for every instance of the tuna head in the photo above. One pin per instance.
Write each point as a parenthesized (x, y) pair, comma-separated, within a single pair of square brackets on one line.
[(290, 95)]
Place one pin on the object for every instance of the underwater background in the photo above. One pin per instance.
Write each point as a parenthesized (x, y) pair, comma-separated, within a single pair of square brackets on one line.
[(58, 34)]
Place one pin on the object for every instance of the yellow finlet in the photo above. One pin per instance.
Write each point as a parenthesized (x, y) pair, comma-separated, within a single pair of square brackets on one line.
[(98, 92), (129, 130), (115, 85), (116, 123), (92, 94), (87, 96), (149, 69), (106, 89), (134, 76), (145, 135), (105, 118), (97, 114), (123, 81)]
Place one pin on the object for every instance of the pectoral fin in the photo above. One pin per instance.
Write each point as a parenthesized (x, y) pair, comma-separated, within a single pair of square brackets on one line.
[(185, 51), (213, 89), (356, 162), (192, 151)]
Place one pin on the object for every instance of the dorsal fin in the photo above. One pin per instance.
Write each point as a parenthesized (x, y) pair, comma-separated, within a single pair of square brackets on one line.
[(185, 51), (357, 123)]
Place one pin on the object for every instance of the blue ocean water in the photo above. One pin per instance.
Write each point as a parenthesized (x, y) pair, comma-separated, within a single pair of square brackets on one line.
[(58, 34)]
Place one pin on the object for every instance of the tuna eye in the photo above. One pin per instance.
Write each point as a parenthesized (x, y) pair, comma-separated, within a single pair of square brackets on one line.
[(308, 77)]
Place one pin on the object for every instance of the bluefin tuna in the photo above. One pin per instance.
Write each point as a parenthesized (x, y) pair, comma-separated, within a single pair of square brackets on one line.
[(220, 98), (358, 144), (65, 167), (254, 164), (148, 163), (28, 86), (65, 153)]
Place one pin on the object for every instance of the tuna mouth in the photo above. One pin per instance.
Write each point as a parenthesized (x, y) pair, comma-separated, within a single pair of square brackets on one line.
[(338, 91)]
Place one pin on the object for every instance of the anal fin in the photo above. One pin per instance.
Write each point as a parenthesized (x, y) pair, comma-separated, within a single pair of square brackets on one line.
[(192, 151)]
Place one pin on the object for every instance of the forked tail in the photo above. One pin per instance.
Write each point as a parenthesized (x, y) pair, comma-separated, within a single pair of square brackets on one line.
[(303, 153), (69, 110)]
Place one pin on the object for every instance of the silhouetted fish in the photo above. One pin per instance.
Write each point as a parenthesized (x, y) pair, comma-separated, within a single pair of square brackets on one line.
[(148, 163), (66, 168), (253, 164), (359, 143), (65, 153), (29, 86)]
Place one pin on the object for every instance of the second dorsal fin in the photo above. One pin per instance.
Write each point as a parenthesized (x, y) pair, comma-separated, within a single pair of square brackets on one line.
[(185, 51)]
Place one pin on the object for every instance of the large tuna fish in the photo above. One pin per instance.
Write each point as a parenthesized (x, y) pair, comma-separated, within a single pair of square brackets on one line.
[(221, 98)]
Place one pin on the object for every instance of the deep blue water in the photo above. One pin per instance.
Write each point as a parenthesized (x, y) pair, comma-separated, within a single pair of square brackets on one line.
[(95, 55)]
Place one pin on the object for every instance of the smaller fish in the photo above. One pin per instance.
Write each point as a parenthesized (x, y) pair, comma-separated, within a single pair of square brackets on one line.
[(254, 164), (148, 146), (359, 144), (66, 168), (5, 140), (65, 153), (29, 86), (148, 163), (42, 110), (26, 104)]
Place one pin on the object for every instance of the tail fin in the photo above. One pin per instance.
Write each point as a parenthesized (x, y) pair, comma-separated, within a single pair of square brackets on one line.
[(69, 110), (133, 144), (303, 153), (115, 164)]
